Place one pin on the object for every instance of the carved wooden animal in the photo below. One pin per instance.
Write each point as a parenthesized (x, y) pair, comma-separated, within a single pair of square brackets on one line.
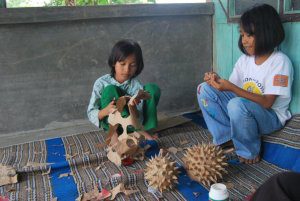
[(126, 145)]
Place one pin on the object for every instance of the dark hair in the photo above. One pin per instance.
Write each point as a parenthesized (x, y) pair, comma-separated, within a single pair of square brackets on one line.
[(121, 50), (263, 22)]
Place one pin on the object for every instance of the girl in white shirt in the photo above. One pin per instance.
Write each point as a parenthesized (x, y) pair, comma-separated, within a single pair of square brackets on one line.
[(255, 99)]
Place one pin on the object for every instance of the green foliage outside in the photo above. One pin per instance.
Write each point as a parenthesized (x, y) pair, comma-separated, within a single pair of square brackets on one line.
[(49, 3)]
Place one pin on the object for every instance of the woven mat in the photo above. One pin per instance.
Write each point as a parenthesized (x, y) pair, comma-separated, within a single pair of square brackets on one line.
[(34, 183), (242, 178), (96, 169), (288, 136), (90, 166)]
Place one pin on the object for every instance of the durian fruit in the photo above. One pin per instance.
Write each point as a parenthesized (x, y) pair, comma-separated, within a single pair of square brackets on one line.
[(205, 163), (161, 172)]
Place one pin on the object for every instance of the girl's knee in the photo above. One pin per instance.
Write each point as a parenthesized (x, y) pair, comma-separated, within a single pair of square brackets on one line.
[(237, 107), (204, 89)]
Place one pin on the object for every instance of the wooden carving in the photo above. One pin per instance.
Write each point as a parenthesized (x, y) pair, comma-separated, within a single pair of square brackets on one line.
[(161, 172), (205, 163), (125, 145)]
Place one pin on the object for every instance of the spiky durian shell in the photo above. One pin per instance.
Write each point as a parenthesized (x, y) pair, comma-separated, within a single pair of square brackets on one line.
[(161, 173), (205, 163)]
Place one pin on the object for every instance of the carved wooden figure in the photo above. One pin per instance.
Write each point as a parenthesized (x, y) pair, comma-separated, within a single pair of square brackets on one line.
[(125, 145)]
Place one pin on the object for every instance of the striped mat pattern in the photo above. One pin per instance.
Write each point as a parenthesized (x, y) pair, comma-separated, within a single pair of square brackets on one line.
[(241, 180), (91, 168), (289, 136), (87, 165), (34, 182)]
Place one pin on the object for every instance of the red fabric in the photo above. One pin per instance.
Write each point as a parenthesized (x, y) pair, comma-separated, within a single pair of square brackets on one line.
[(127, 161)]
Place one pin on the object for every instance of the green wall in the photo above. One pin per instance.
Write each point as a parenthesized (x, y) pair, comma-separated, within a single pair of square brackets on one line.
[(226, 51)]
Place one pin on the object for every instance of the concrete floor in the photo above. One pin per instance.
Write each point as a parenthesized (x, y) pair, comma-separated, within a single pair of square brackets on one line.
[(53, 130)]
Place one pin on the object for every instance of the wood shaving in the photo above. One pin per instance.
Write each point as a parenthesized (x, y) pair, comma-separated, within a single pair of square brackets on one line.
[(183, 142), (229, 185), (48, 172), (121, 189), (11, 189), (99, 167), (173, 150), (68, 156), (8, 175), (91, 195), (35, 164), (64, 175)]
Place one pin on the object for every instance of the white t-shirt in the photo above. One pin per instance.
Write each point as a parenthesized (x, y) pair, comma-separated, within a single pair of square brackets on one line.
[(274, 76)]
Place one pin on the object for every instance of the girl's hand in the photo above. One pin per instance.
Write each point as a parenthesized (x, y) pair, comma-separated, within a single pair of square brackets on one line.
[(221, 84), (210, 75), (111, 107), (136, 101)]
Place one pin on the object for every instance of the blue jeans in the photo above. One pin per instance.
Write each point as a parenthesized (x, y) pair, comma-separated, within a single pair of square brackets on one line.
[(229, 117)]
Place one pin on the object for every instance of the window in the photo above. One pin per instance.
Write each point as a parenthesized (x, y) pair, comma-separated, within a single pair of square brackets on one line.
[(292, 6), (242, 5), (289, 10)]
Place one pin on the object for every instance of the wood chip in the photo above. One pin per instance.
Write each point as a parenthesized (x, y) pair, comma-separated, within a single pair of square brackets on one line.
[(121, 189), (91, 195), (8, 175), (229, 185), (68, 156), (64, 175), (11, 189), (183, 142), (35, 164), (147, 146), (172, 150), (48, 172), (99, 167)]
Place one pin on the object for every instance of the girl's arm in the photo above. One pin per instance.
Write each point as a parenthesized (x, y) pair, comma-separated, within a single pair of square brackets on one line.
[(265, 101)]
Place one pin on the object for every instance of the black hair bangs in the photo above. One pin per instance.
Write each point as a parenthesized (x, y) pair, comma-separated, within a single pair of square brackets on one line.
[(246, 23), (123, 52)]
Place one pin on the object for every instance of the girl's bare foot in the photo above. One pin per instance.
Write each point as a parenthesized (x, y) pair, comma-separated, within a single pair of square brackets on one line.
[(249, 161)]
